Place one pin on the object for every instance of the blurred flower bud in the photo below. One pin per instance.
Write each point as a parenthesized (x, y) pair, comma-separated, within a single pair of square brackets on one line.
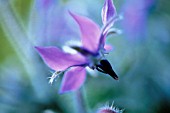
[(109, 109)]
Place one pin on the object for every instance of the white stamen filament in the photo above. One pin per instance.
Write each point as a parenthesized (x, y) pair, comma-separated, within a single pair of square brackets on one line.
[(54, 75)]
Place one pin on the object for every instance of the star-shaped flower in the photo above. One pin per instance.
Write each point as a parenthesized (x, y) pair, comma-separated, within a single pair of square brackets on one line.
[(91, 54)]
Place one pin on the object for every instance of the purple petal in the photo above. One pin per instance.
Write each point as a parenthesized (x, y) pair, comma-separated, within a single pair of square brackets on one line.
[(108, 18), (90, 32), (108, 48), (58, 60), (108, 11), (105, 30), (73, 79)]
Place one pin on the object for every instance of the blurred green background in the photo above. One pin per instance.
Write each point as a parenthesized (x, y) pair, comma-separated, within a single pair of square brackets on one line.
[(143, 63)]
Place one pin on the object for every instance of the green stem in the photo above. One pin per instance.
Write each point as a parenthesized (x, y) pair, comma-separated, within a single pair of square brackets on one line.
[(80, 100)]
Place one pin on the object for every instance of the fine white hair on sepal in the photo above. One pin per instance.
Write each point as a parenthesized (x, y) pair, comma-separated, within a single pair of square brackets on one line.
[(109, 109), (53, 77)]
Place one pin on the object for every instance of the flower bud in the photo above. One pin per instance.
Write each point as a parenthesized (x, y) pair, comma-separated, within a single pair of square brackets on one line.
[(109, 109)]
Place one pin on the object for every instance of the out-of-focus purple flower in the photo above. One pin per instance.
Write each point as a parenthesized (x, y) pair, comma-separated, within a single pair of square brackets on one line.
[(135, 18), (49, 23), (91, 54)]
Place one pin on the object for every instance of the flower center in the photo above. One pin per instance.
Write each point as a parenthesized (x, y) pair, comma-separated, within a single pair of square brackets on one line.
[(101, 64)]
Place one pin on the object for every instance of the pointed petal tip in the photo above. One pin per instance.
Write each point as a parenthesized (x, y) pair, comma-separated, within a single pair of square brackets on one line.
[(58, 60), (61, 91), (90, 31), (72, 14), (108, 11), (75, 16), (73, 80), (38, 48)]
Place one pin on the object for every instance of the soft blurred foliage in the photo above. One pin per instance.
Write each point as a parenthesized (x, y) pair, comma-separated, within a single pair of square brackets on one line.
[(143, 63)]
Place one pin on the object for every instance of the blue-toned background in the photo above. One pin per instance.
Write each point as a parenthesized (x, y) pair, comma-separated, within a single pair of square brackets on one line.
[(140, 56)]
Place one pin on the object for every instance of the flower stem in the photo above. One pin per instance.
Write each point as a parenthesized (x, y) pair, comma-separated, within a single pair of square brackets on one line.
[(80, 100), (22, 45)]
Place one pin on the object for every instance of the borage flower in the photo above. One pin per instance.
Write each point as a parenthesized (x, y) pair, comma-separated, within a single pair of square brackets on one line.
[(91, 54)]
